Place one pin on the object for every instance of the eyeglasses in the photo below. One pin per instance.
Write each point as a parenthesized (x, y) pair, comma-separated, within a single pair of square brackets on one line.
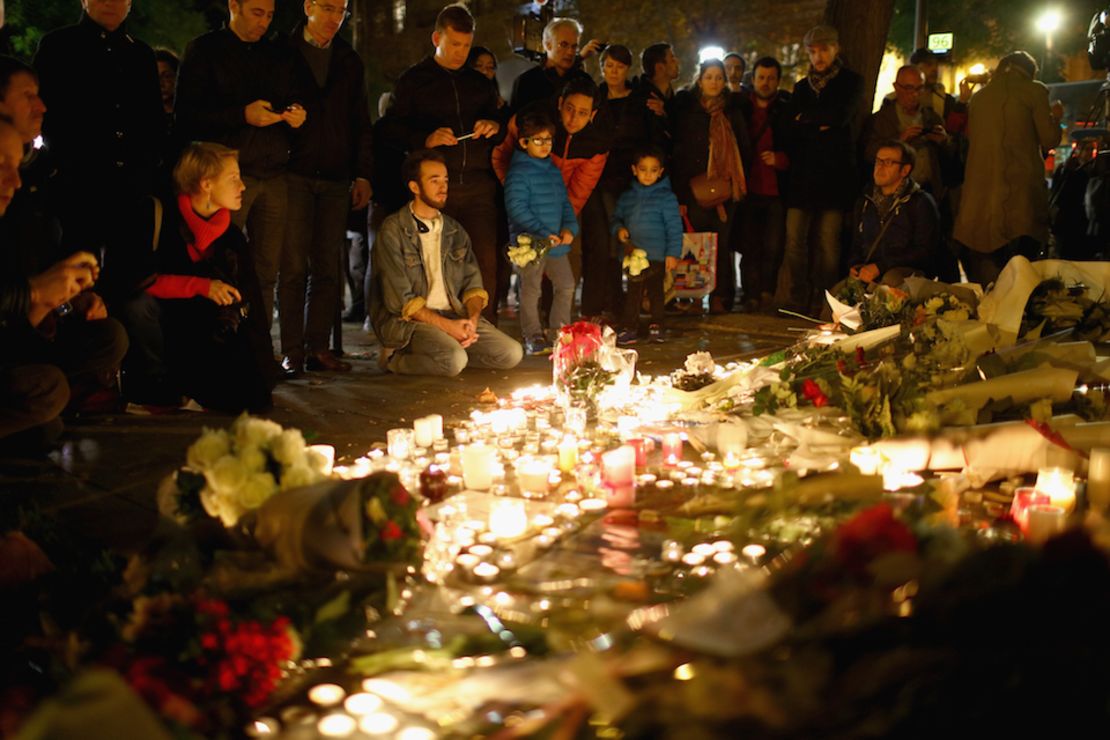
[(541, 140), (333, 10), (888, 162), (910, 88)]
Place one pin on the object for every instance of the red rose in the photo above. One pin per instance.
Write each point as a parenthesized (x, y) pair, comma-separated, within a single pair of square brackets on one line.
[(861, 359), (813, 393), (870, 533), (391, 531), (399, 496)]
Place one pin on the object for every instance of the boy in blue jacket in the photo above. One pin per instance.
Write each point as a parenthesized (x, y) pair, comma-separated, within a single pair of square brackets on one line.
[(537, 204), (647, 217)]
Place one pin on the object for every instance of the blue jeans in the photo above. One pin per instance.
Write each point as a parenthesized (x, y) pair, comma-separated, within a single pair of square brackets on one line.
[(432, 351), (308, 285)]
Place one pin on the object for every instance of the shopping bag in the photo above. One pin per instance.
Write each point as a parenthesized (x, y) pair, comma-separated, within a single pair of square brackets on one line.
[(695, 276)]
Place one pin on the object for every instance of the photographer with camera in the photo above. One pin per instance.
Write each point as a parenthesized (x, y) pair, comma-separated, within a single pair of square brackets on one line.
[(562, 63), (204, 333), (1004, 205)]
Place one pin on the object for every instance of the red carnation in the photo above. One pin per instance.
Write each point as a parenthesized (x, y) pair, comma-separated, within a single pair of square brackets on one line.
[(391, 531), (813, 393)]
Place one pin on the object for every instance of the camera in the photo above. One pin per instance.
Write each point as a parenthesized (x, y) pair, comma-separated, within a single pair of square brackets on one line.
[(1098, 40)]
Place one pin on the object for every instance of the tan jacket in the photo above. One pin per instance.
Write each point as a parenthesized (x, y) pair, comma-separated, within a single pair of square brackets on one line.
[(1004, 193)]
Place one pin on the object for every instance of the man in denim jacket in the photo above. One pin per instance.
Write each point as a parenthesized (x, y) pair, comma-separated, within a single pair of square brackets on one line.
[(427, 297)]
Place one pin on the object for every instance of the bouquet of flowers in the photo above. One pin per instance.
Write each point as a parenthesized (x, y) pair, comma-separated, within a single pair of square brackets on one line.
[(344, 524), (528, 249), (581, 363), (199, 663), (635, 262), (232, 471)]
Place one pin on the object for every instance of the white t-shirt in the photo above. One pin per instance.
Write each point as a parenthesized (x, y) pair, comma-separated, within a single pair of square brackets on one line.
[(430, 241)]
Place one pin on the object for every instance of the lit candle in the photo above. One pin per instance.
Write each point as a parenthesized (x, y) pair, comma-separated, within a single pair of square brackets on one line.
[(482, 551), (672, 551), (327, 452), (467, 561), (378, 723), (1098, 479), (1044, 522), (533, 475), (866, 459), (424, 431), (362, 703), (731, 437), (436, 422), (672, 448), (640, 445), (618, 467), (508, 518), (486, 572), (593, 504), (400, 443), (1059, 484), (1023, 499), (576, 419), (478, 462), (336, 725), (326, 694)]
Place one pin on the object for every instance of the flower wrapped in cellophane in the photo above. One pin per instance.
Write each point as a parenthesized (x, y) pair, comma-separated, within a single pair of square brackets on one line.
[(528, 249), (232, 471), (586, 361)]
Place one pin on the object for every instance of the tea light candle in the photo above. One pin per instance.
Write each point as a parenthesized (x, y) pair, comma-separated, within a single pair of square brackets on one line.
[(672, 551), (508, 519), (693, 559), (664, 484), (378, 723), (424, 431), (618, 467), (326, 694), (704, 549), (1098, 479), (592, 504), (362, 703), (400, 443), (1059, 484), (486, 572), (482, 551), (467, 561), (754, 552), (568, 511), (336, 725), (533, 475), (327, 452), (478, 466), (672, 448), (725, 558), (866, 458)]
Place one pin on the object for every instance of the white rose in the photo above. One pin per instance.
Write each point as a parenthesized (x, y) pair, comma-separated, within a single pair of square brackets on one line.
[(254, 460), (222, 506), (212, 445), (258, 488), (251, 432), (296, 476), (318, 461), (699, 363), (209, 500), (227, 475), (288, 447)]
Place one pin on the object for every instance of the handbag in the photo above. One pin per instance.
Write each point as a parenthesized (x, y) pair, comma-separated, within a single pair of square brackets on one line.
[(709, 191)]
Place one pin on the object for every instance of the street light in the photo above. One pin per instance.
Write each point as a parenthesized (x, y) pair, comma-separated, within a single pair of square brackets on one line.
[(710, 52), (1048, 23)]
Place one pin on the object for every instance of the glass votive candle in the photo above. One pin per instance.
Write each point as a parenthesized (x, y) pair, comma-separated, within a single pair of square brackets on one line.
[(326, 694), (533, 474), (1059, 484), (486, 572), (1023, 499), (478, 463), (576, 419), (1043, 522), (508, 518), (672, 551), (672, 448), (1098, 479), (400, 443), (423, 431)]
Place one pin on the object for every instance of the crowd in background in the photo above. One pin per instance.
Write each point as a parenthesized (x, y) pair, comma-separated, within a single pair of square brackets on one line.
[(188, 244)]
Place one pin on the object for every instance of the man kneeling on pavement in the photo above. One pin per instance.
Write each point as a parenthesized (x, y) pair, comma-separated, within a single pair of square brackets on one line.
[(59, 346), (427, 296), (897, 226)]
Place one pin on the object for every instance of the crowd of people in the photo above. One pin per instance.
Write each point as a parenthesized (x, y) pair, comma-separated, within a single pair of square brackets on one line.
[(175, 199)]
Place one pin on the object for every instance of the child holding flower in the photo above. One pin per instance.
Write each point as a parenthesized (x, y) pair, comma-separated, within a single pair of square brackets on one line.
[(647, 218), (537, 205)]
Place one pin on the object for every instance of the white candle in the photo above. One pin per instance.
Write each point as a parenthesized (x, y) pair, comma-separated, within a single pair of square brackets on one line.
[(424, 431), (1059, 484), (1098, 479), (508, 518), (337, 725), (478, 462), (618, 467), (436, 422), (482, 551), (379, 723), (593, 504), (568, 454), (400, 443), (1044, 522), (533, 475), (486, 572), (362, 703)]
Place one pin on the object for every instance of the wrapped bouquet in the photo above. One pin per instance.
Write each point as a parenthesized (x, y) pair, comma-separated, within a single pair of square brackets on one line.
[(528, 249), (586, 361)]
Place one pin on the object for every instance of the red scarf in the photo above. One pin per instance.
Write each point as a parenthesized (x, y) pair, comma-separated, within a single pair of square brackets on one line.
[(204, 230)]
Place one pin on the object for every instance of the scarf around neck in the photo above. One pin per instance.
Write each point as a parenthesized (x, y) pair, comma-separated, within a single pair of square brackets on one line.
[(724, 154), (818, 80), (203, 230)]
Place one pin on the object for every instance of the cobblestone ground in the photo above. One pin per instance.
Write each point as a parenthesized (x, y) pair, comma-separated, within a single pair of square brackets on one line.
[(104, 477)]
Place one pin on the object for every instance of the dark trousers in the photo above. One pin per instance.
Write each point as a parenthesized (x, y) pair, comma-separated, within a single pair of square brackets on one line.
[(36, 377), (708, 220), (262, 218), (308, 285), (146, 375), (984, 267), (762, 227), (650, 281), (474, 206), (601, 270)]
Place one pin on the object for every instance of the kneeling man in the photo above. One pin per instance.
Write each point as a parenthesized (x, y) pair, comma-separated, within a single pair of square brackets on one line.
[(427, 296)]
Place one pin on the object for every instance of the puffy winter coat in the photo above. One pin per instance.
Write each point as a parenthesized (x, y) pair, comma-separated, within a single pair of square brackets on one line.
[(536, 200), (651, 216)]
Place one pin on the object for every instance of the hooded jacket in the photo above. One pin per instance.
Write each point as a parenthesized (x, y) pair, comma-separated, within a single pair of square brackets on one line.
[(536, 200), (652, 218)]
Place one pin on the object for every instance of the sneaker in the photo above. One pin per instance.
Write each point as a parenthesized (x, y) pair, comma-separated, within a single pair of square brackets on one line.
[(655, 334), (628, 336), (537, 345)]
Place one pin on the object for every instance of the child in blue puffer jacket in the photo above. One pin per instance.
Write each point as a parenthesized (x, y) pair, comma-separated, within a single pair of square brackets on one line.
[(647, 217), (537, 204)]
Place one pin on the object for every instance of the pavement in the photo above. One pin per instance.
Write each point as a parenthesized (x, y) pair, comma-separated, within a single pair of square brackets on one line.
[(103, 478)]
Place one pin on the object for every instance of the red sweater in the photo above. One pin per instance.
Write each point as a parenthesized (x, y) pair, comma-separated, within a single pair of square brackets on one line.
[(204, 231), (763, 178)]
